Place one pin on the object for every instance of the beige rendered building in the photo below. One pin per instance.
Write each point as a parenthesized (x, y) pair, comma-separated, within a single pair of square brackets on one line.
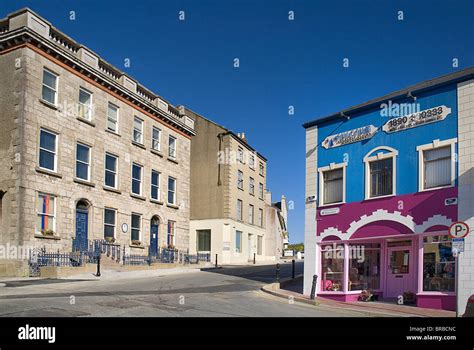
[(85, 150), (276, 237), (228, 181)]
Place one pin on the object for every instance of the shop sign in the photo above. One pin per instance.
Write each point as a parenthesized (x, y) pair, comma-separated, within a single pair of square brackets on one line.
[(424, 117), (329, 211), (458, 230), (458, 246), (350, 136)]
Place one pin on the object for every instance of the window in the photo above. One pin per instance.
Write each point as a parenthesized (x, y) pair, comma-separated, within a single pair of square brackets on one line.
[(381, 177), (136, 228), (50, 87), (110, 170), (252, 161), (239, 209), (136, 179), (138, 130), (238, 241), (83, 161), (47, 153), (260, 190), (155, 139), (437, 167), (171, 190), (85, 104), (252, 186), (172, 147), (260, 217), (109, 222), (259, 245), (46, 214), (261, 169), (240, 180), (171, 233), (112, 118), (155, 185), (251, 214), (438, 264), (332, 267), (364, 266), (240, 154), (203, 240), (333, 186)]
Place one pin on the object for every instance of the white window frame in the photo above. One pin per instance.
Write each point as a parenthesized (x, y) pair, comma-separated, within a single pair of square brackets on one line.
[(55, 170), (172, 156), (49, 87), (115, 221), (240, 179), (241, 216), (114, 172), (141, 179), (240, 154), (261, 190), (153, 128), (89, 107), (108, 117), (158, 186), (174, 192), (140, 223), (80, 161), (38, 230), (252, 161), (261, 169), (392, 153), (135, 119), (421, 164), (251, 214), (321, 171), (252, 186)]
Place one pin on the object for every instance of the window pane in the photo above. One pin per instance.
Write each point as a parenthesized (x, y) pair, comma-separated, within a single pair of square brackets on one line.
[(332, 269), (109, 216), (109, 179), (437, 167), (364, 267), (84, 97), (136, 172), (238, 241), (136, 186), (171, 184), (82, 153), (333, 186), (46, 160), (154, 192), (204, 240), (154, 178), (108, 231), (136, 221), (438, 264), (135, 235), (110, 163), (82, 171), (111, 125), (49, 95), (49, 79), (381, 177), (47, 141)]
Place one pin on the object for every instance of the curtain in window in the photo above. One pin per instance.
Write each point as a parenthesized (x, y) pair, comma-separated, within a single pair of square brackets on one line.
[(437, 167), (381, 179), (333, 186)]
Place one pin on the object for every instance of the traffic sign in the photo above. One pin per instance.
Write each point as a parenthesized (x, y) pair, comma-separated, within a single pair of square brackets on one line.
[(458, 230), (458, 246)]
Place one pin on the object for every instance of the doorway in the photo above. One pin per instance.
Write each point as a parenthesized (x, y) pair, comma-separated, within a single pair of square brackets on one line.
[(82, 226), (154, 231), (400, 269)]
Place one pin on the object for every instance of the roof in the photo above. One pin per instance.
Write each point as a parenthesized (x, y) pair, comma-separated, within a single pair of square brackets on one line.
[(456, 77)]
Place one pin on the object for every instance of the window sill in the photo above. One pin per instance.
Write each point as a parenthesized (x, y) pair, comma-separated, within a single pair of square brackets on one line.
[(333, 204), (380, 197), (141, 246), (138, 144), (137, 196), (156, 201), (240, 188), (433, 293), (435, 188), (83, 182), (173, 160), (40, 236), (113, 132), (111, 189), (49, 104), (86, 121), (48, 172), (158, 153), (174, 206)]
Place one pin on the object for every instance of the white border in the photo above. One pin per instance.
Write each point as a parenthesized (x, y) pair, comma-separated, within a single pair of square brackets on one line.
[(332, 166)]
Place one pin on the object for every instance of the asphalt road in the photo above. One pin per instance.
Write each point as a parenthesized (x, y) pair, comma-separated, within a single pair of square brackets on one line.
[(230, 291)]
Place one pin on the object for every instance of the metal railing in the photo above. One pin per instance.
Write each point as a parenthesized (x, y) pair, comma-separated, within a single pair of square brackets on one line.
[(197, 258)]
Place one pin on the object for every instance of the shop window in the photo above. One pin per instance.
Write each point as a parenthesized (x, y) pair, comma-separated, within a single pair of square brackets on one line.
[(364, 266), (204, 240), (438, 264), (332, 265)]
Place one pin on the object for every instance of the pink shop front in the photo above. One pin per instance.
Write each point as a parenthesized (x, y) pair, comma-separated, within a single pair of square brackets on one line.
[(400, 251)]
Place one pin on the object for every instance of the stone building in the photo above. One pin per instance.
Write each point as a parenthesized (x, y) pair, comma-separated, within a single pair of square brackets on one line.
[(276, 237), (86, 151), (228, 181)]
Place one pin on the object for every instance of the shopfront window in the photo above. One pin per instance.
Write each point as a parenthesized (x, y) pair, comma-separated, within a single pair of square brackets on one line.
[(364, 266), (438, 264), (332, 258)]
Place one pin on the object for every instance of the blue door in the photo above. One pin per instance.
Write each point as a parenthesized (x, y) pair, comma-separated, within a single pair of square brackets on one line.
[(154, 239), (82, 218)]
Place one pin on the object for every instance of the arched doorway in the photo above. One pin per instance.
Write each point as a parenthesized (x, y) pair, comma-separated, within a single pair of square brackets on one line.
[(154, 230), (82, 225)]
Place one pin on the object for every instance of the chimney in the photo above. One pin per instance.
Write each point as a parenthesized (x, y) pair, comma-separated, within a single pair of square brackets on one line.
[(284, 209), (243, 137)]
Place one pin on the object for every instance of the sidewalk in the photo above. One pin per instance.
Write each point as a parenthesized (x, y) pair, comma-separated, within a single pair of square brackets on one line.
[(293, 288)]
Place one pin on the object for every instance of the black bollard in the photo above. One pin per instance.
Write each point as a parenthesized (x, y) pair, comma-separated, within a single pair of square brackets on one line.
[(278, 273), (293, 268), (313, 287), (254, 259), (216, 261), (98, 266)]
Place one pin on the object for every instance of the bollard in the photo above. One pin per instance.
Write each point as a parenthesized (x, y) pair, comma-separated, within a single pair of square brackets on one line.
[(98, 266), (216, 261), (254, 259), (278, 273), (293, 268), (313, 287)]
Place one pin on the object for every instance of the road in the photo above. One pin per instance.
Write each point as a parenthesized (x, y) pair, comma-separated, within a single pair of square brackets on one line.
[(230, 291)]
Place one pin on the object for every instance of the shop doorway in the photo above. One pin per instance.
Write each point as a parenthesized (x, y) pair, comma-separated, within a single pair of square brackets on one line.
[(400, 269)]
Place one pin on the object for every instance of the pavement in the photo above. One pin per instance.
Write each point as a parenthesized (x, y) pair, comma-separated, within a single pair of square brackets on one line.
[(234, 291)]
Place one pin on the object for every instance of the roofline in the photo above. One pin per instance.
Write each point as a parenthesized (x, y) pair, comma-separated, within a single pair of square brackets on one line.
[(459, 76)]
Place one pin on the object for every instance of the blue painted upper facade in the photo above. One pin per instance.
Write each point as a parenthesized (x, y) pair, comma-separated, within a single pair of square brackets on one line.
[(405, 142)]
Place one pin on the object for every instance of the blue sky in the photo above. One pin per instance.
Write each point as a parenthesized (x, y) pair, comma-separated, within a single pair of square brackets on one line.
[(282, 62)]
